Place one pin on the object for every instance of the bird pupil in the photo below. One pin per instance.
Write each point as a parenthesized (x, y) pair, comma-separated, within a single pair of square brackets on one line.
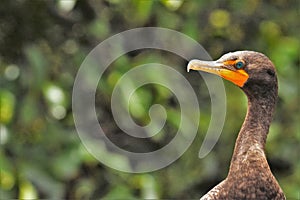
[(239, 64)]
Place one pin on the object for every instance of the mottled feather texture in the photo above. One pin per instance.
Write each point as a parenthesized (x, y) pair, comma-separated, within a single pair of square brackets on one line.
[(249, 175)]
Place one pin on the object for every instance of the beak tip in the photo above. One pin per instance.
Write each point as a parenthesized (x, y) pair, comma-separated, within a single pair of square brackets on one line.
[(189, 67)]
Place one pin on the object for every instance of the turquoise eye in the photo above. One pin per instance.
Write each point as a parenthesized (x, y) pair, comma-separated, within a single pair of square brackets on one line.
[(239, 64)]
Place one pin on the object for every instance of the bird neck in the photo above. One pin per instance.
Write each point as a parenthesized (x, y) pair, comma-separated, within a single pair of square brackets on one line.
[(253, 134)]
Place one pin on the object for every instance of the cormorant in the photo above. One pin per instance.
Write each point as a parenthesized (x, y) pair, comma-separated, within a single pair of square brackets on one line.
[(249, 176)]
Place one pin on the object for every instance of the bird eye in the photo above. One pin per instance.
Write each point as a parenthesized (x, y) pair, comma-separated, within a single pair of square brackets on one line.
[(270, 72), (239, 64)]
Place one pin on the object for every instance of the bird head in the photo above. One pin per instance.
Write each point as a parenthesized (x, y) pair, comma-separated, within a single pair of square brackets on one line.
[(247, 69)]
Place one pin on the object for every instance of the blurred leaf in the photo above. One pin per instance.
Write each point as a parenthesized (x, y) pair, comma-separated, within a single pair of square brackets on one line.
[(99, 28), (119, 192), (38, 63), (66, 165), (171, 4), (113, 78), (142, 11), (149, 187), (7, 105), (164, 19), (271, 31), (139, 103), (86, 156), (100, 151), (7, 180), (191, 29), (245, 7), (27, 190), (29, 110), (46, 184), (84, 189), (174, 117)]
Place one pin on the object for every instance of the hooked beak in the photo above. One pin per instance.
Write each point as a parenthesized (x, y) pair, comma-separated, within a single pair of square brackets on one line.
[(236, 76)]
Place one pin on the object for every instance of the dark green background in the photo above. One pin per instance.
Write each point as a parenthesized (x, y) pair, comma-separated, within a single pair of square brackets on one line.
[(43, 43)]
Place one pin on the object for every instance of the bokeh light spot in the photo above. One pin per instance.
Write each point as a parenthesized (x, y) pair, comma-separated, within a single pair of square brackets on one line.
[(3, 134), (12, 72), (55, 95), (58, 112), (219, 18)]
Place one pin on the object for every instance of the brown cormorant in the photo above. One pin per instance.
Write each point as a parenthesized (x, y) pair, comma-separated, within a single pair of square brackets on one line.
[(249, 176)]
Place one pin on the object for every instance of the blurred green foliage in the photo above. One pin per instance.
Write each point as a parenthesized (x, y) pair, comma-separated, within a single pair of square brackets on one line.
[(43, 43)]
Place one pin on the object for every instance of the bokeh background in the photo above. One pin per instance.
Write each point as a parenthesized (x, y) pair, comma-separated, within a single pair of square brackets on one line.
[(43, 43)]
